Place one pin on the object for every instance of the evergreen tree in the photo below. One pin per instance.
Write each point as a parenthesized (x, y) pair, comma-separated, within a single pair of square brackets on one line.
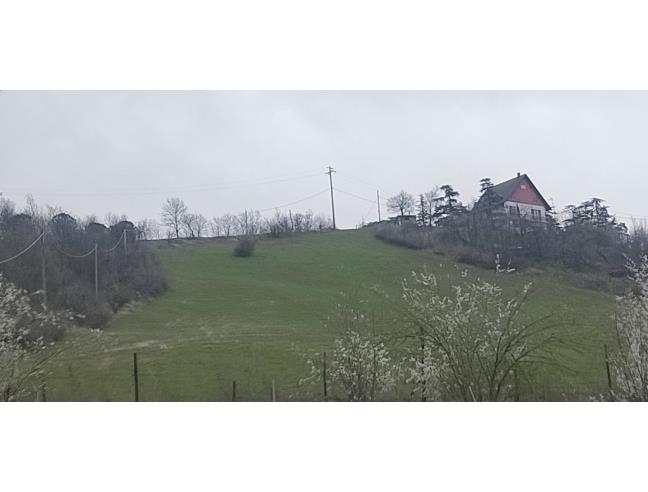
[(422, 215)]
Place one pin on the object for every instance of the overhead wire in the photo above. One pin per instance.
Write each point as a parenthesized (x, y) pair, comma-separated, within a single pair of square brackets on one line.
[(73, 255), (23, 251), (214, 187), (295, 202)]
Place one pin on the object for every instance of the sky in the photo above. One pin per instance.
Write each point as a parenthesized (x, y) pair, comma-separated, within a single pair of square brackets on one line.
[(221, 151)]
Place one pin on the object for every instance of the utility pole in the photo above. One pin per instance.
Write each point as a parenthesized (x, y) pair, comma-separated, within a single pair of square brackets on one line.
[(135, 376), (125, 248), (96, 272), (330, 173), (378, 200), (43, 271)]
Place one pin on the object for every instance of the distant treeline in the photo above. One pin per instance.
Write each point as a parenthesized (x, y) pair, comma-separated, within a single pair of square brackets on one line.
[(180, 222), (91, 284)]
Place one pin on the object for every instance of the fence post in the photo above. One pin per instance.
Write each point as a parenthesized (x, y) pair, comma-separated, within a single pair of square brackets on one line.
[(234, 390), (324, 378), (135, 376), (607, 366)]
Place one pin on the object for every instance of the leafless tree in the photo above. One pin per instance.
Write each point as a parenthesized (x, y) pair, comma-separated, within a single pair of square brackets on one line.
[(228, 224), (172, 212), (403, 203), (431, 198), (113, 219), (148, 229), (200, 223), (249, 222), (189, 224)]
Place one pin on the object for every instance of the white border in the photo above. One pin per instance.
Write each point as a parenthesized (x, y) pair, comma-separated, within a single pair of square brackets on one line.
[(329, 45)]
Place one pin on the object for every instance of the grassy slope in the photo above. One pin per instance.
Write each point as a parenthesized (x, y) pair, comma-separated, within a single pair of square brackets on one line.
[(252, 319)]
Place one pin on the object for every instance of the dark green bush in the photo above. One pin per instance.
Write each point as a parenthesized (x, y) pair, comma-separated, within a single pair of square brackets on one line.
[(245, 246)]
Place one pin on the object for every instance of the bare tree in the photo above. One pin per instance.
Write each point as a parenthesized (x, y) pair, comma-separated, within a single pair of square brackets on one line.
[(431, 198), (228, 224), (190, 225), (148, 229), (113, 219), (403, 203), (249, 222), (200, 224), (172, 212), (216, 225)]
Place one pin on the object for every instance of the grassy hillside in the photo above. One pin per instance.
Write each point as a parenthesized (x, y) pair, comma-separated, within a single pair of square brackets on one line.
[(253, 319)]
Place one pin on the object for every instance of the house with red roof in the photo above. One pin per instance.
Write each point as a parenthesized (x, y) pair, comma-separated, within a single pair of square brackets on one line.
[(516, 202)]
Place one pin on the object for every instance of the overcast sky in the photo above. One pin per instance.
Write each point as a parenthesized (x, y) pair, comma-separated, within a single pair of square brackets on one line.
[(125, 152)]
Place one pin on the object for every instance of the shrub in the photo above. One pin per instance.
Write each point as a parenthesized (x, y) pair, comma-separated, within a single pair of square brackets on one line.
[(245, 246), (24, 334)]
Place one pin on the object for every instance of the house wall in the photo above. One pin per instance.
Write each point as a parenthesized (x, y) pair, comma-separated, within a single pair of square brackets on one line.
[(524, 194), (525, 210)]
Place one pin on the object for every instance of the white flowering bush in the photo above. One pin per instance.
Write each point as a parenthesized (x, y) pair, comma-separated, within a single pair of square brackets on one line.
[(23, 351), (470, 343), (630, 363), (360, 367)]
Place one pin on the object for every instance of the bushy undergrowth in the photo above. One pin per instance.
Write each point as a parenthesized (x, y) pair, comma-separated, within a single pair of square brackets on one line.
[(245, 246), (591, 255)]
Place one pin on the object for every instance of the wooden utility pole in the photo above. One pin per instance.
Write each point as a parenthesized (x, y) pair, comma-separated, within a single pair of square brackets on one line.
[(234, 390), (96, 265), (135, 376), (330, 173), (607, 366), (125, 247), (324, 378), (43, 271), (378, 200), (273, 391)]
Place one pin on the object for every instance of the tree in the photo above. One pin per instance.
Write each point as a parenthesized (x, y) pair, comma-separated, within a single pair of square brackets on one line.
[(201, 225), (148, 229), (431, 197), (172, 212), (228, 223), (473, 343), (422, 216), (249, 222), (403, 203), (189, 224), (630, 363), (448, 208)]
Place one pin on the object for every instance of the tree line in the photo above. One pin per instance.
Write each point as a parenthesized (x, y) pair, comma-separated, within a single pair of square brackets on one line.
[(81, 265), (588, 240), (180, 222)]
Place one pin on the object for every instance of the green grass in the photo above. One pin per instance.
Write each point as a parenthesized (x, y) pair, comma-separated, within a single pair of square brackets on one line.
[(253, 319)]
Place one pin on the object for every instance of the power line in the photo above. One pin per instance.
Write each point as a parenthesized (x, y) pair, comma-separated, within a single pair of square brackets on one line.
[(164, 191), (356, 196), (295, 202), (18, 255)]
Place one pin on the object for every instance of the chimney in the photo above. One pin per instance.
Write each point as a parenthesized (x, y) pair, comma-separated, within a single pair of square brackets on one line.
[(518, 175)]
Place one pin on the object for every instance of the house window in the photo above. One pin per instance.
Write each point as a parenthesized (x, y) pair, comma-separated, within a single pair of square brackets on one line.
[(536, 215), (513, 210)]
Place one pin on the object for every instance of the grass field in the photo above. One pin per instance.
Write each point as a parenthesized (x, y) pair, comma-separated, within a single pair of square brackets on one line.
[(253, 319)]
